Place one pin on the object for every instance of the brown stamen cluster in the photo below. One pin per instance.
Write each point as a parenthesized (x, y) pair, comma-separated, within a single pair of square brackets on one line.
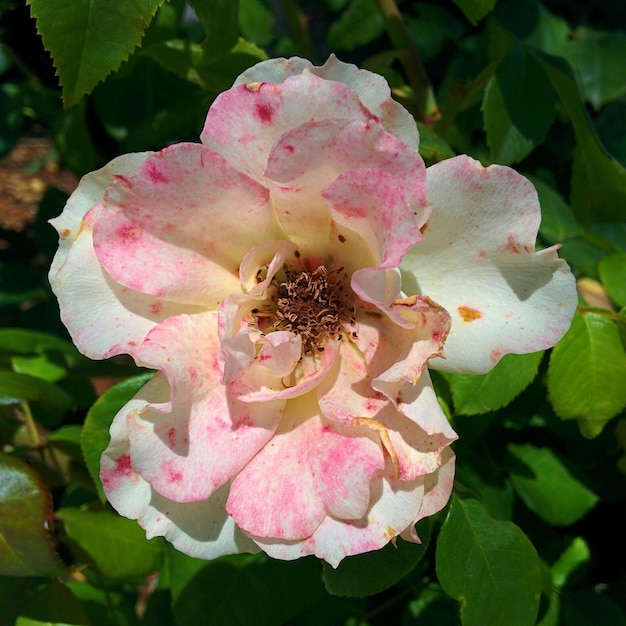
[(313, 305)]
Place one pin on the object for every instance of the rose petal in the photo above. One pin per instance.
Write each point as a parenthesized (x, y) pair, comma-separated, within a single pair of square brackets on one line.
[(168, 229), (245, 122), (308, 158), (311, 468), (103, 318), (478, 261), (257, 383), (194, 443), (372, 89), (200, 529), (393, 510)]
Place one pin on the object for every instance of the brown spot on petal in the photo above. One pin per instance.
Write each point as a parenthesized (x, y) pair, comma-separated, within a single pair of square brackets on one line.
[(253, 86), (341, 238), (469, 314)]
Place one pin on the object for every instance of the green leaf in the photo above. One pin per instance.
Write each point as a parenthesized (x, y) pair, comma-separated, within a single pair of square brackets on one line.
[(475, 10), (54, 605), (547, 487), (519, 107), (373, 572), (220, 20), (16, 388), (275, 592), (598, 181), (612, 270), (599, 59), (575, 555), (25, 506), (490, 567), (587, 372), (480, 394), (557, 220), (30, 342), (256, 21), (88, 39), (95, 433), (43, 367), (359, 24), (116, 546), (432, 147), (104, 607)]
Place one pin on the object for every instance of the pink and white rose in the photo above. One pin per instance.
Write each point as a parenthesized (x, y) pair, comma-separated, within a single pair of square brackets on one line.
[(290, 278)]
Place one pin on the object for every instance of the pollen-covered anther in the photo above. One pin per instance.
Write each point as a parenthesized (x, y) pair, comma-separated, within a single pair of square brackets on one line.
[(314, 305)]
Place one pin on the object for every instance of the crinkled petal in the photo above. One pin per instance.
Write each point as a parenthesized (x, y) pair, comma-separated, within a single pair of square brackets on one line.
[(103, 317), (371, 88), (245, 122), (200, 529), (395, 506), (310, 469), (168, 229), (258, 383), (308, 158), (478, 261), (418, 451), (190, 444)]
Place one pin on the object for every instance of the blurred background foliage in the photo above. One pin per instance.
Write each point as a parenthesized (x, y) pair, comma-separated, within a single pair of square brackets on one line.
[(535, 531)]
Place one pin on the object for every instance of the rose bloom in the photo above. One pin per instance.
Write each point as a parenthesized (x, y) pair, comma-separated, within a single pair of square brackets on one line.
[(290, 278)]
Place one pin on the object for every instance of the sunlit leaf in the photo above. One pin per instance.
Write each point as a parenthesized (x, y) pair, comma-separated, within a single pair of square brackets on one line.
[(116, 546), (612, 271), (587, 372), (474, 394), (25, 507), (88, 39), (547, 487), (490, 567)]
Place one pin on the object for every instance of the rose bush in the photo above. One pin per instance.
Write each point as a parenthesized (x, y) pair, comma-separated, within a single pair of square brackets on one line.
[(290, 278)]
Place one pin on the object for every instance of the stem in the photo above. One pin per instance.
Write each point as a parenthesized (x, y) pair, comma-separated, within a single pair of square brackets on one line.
[(299, 31), (31, 427), (424, 95)]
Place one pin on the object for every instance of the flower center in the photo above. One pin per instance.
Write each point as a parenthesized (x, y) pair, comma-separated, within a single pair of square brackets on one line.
[(314, 305)]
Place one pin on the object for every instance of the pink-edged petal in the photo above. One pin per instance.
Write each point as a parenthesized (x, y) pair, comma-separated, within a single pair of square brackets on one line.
[(437, 490), (90, 191), (199, 438), (394, 508), (102, 317), (308, 158), (200, 529), (168, 229), (246, 121), (371, 205), (371, 89), (309, 469), (393, 355), (423, 340), (347, 392), (478, 261), (270, 254), (258, 383), (418, 451)]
